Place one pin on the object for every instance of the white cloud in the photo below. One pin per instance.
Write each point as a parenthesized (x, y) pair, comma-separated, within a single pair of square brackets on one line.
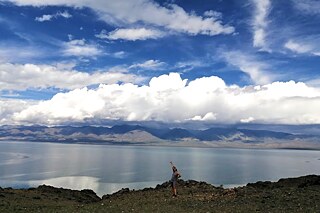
[(64, 14), (260, 23), (70, 37), (301, 48), (186, 66), (10, 106), (207, 117), (297, 47), (258, 71), (131, 34), (48, 17), (149, 65), (168, 98), (81, 48), (26, 76), (172, 81), (12, 52), (213, 14), (120, 54), (120, 12), (44, 18), (247, 120), (307, 6)]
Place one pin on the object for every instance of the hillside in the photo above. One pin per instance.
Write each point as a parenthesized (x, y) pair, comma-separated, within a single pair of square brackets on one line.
[(287, 195)]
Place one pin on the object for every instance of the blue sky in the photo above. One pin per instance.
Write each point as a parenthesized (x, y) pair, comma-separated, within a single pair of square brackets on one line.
[(171, 61)]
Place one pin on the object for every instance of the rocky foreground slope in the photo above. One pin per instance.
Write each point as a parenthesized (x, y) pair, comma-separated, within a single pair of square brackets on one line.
[(287, 195)]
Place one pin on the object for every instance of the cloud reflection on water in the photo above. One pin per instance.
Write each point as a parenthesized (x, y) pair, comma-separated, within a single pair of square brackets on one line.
[(69, 182)]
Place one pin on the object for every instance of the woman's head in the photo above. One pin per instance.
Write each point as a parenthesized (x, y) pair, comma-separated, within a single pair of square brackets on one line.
[(174, 169)]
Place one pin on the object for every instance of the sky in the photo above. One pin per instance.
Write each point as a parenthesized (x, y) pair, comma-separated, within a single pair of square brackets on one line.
[(174, 61)]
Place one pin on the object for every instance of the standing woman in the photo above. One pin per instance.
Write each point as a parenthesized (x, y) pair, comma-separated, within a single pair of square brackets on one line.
[(174, 179)]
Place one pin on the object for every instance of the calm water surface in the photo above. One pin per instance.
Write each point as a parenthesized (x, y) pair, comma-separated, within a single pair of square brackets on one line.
[(106, 169)]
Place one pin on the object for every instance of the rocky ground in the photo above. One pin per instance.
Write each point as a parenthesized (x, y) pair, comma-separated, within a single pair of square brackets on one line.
[(287, 195)]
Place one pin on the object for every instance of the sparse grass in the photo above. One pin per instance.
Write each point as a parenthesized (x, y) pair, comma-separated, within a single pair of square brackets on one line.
[(289, 195)]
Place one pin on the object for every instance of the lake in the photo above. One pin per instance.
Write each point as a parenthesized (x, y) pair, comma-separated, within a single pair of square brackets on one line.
[(108, 168)]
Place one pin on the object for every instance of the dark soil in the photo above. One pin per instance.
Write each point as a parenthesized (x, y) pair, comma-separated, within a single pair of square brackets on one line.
[(287, 195)]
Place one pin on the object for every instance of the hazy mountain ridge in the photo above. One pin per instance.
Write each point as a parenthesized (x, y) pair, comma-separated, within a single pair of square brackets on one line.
[(136, 134)]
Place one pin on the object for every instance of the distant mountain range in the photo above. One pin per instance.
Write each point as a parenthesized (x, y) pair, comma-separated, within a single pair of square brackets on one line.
[(136, 134)]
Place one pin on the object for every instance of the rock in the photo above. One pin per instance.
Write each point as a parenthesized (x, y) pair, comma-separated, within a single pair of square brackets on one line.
[(105, 197), (83, 196), (260, 184), (191, 183), (163, 185), (311, 180), (147, 189), (89, 196), (50, 189), (88, 192), (122, 191), (301, 182)]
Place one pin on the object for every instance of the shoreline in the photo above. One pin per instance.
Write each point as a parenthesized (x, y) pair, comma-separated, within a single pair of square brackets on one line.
[(171, 144)]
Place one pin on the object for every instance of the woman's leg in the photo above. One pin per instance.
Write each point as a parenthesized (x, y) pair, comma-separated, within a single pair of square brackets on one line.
[(174, 188)]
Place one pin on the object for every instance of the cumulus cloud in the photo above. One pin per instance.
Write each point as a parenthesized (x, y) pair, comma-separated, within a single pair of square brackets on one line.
[(48, 17), (26, 76), (171, 17), (8, 107), (79, 47), (260, 23), (169, 82), (131, 34), (247, 120), (168, 98), (207, 117)]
